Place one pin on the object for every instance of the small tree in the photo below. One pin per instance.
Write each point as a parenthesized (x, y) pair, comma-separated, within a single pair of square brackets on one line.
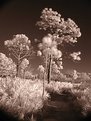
[(84, 76), (20, 47), (62, 31), (7, 66), (24, 64), (41, 70), (29, 75)]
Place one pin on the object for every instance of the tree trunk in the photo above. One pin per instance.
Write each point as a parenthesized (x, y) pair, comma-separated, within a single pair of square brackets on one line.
[(49, 68), (18, 64), (17, 73), (30, 118), (44, 76), (33, 118)]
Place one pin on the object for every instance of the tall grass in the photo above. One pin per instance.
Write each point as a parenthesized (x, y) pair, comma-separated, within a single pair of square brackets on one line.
[(21, 96)]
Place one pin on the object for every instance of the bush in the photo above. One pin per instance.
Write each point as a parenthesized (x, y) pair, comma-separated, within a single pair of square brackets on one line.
[(21, 96), (7, 66), (58, 87), (80, 91)]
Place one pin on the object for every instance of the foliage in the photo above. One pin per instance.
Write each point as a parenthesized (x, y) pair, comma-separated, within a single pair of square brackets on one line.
[(29, 75), (62, 31), (7, 66), (25, 96), (65, 30), (84, 76), (21, 96), (23, 65), (20, 47), (58, 87), (83, 94), (60, 77), (41, 71), (81, 91), (75, 55), (52, 56)]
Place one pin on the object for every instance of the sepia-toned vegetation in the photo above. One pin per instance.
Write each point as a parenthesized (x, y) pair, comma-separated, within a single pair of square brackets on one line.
[(29, 96)]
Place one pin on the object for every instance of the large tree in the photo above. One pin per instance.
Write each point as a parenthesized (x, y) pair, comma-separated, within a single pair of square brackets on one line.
[(20, 47), (51, 54), (59, 31)]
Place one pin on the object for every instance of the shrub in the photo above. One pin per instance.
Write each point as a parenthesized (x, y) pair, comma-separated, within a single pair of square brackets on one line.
[(81, 92), (21, 96), (58, 87), (7, 66)]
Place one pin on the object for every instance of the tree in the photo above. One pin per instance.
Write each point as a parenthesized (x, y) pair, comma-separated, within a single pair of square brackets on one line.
[(7, 66), (41, 70), (24, 64), (59, 31), (84, 76), (20, 47), (29, 75), (51, 54)]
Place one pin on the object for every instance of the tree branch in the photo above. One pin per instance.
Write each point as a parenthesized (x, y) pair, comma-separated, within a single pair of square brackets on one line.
[(13, 52)]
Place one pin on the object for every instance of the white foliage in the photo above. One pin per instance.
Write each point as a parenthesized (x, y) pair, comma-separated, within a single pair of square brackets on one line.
[(75, 75), (55, 67), (49, 47), (41, 68), (54, 51), (19, 46), (19, 40), (75, 55), (24, 64), (39, 53), (7, 66), (61, 31), (47, 41), (58, 86), (59, 54), (21, 95), (67, 30)]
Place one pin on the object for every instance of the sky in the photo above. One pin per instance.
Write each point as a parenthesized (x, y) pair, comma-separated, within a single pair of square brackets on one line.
[(20, 17)]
